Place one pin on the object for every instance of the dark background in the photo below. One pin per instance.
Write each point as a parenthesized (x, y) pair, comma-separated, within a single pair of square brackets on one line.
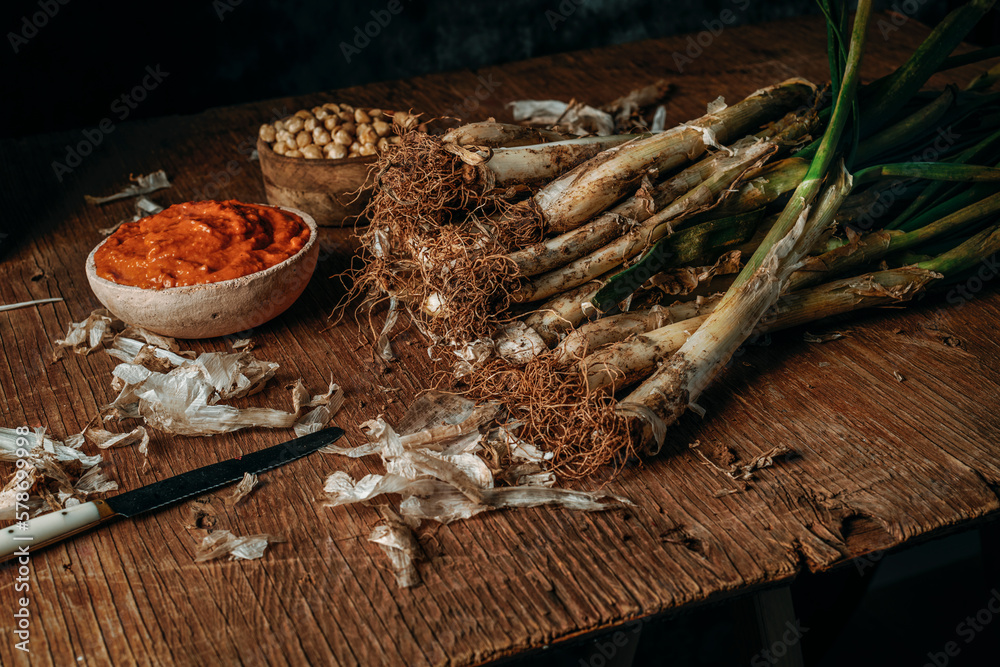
[(68, 72)]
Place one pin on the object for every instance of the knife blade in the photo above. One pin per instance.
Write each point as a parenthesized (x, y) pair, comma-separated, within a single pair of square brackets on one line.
[(47, 529)]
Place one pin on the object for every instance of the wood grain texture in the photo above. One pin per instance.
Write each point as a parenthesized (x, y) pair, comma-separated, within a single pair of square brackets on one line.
[(880, 463), (334, 192)]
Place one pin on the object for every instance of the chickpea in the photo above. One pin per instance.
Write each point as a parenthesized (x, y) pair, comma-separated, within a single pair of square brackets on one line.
[(342, 137), (321, 137), (335, 151), (367, 135), (336, 131)]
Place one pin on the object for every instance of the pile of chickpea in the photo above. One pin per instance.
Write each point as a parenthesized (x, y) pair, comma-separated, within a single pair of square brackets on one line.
[(335, 131)]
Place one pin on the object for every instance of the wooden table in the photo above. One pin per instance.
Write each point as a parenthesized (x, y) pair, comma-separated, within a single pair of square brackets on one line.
[(881, 462)]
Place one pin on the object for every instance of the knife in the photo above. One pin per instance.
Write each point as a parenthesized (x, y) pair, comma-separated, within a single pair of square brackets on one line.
[(29, 536)]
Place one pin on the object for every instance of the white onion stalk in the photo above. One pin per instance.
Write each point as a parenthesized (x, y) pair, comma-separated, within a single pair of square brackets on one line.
[(662, 398), (564, 311), (727, 169), (595, 185), (767, 185), (498, 134), (559, 251), (627, 361), (594, 337), (542, 162), (681, 381)]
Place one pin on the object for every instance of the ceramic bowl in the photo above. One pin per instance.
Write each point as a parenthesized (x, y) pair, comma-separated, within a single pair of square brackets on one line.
[(212, 309), (334, 192)]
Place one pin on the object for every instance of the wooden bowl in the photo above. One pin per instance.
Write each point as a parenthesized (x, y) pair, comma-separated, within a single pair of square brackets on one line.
[(334, 192), (212, 309)]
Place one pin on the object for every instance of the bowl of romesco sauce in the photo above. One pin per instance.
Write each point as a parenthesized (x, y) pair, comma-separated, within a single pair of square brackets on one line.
[(205, 269)]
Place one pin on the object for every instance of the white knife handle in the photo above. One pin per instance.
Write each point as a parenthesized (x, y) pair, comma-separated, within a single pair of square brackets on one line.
[(52, 527)]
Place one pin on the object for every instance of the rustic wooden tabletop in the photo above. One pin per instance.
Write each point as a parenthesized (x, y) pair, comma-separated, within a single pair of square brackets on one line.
[(895, 425)]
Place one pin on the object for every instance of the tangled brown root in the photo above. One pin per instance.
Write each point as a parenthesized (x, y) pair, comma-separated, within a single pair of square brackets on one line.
[(439, 238), (438, 243), (419, 182), (580, 428)]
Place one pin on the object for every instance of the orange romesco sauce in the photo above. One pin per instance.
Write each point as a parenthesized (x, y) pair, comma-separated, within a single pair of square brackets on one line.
[(200, 242)]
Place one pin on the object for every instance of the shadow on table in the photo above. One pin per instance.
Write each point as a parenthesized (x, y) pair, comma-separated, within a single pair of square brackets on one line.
[(936, 603)]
